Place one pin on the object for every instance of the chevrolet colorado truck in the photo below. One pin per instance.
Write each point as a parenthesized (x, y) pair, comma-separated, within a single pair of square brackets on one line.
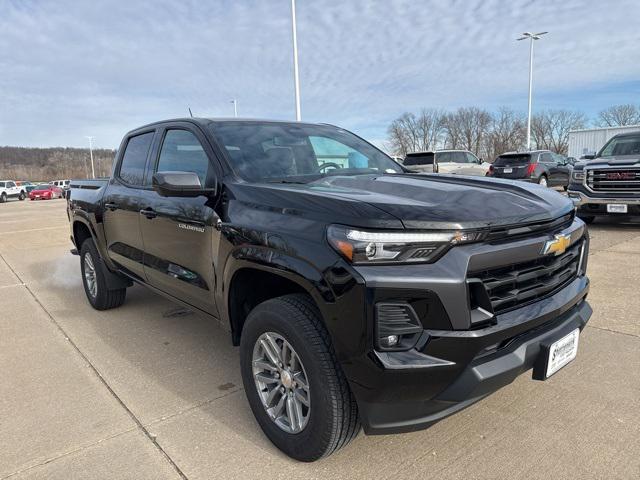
[(360, 295), (608, 183)]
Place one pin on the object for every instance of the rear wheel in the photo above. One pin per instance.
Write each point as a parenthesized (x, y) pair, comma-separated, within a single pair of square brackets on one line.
[(22, 196), (3, 197), (543, 181), (94, 281), (293, 381)]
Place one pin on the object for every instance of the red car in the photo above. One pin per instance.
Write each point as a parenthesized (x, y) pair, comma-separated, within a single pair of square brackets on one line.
[(45, 192)]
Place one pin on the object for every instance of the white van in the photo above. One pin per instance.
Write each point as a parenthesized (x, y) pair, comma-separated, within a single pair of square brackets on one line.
[(460, 162)]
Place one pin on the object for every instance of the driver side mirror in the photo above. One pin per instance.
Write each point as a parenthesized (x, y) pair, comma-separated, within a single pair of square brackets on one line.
[(179, 184), (480, 161), (588, 157)]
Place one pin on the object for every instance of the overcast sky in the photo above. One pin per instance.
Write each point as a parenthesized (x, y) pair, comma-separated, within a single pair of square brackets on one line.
[(71, 68)]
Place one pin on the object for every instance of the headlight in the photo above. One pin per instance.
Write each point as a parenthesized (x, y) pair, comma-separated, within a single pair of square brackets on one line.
[(379, 247), (577, 176)]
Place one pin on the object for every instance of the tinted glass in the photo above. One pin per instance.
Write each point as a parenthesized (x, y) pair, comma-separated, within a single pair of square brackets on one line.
[(546, 157), (279, 151), (11, 184), (459, 157), (621, 146), (135, 158), (3, 184), (504, 160), (182, 152), (418, 159), (445, 157)]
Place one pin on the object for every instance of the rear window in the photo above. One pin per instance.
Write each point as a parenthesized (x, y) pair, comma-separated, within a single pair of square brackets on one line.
[(3, 184), (503, 160), (418, 159)]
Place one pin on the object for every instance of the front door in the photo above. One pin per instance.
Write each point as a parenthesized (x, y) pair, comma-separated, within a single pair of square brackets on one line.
[(121, 206), (179, 233)]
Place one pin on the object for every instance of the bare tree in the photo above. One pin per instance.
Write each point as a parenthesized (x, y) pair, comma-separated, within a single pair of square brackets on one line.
[(507, 133), (550, 129), (467, 128), (410, 133), (618, 116)]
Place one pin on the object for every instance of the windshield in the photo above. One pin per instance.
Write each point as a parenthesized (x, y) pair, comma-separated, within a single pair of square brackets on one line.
[(504, 160), (618, 146), (263, 152)]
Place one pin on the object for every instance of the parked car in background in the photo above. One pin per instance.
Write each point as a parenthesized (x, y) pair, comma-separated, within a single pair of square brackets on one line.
[(460, 162), (540, 166), (358, 293), (28, 186), (10, 189), (608, 183), (45, 192), (63, 184)]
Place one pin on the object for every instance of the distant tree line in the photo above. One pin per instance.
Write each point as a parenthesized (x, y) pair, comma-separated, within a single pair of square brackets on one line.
[(45, 164), (488, 134)]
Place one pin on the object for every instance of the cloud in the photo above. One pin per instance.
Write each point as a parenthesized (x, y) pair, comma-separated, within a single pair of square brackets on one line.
[(102, 67)]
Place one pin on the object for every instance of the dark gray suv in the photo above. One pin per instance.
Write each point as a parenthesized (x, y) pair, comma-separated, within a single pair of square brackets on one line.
[(539, 166)]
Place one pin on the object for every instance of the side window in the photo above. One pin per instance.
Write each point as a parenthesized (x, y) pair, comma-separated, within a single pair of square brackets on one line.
[(445, 157), (546, 157), (182, 152), (328, 150), (471, 158), (135, 159), (11, 184)]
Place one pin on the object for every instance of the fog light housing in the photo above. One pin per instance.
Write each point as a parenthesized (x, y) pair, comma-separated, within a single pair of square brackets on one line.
[(397, 327)]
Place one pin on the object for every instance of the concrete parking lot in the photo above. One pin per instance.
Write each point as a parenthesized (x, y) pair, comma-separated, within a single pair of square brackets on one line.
[(151, 390)]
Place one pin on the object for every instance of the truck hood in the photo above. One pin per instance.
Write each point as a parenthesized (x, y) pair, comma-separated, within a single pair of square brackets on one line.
[(619, 161), (417, 201)]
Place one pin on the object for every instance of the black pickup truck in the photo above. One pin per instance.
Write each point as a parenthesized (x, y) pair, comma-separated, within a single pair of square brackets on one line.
[(360, 294)]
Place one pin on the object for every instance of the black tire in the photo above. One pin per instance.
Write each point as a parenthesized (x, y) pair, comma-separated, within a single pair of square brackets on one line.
[(546, 180), (22, 196), (103, 299), (588, 219), (3, 197), (565, 187), (333, 415)]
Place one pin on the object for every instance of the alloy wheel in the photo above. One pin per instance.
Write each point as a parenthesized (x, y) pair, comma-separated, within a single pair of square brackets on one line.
[(281, 382), (90, 276)]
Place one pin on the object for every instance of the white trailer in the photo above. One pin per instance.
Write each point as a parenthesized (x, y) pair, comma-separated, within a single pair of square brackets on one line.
[(589, 141)]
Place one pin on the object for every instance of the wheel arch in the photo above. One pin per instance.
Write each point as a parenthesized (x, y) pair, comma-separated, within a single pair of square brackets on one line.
[(248, 283)]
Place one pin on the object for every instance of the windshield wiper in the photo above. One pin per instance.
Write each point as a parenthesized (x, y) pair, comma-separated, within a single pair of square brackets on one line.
[(284, 180)]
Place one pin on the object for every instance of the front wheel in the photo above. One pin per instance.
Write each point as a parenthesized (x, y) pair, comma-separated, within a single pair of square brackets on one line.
[(293, 381), (94, 281)]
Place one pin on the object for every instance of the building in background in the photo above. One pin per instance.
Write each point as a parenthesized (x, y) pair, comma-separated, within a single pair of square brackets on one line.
[(589, 141)]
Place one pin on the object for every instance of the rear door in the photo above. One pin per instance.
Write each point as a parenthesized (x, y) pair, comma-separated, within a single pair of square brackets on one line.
[(448, 162), (551, 166), (563, 170), (179, 234), (122, 203)]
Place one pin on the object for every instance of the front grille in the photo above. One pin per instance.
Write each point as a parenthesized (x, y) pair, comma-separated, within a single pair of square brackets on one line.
[(515, 285), (614, 180)]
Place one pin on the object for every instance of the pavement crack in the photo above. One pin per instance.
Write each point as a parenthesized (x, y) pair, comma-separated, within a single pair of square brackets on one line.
[(70, 452), (95, 370), (614, 331)]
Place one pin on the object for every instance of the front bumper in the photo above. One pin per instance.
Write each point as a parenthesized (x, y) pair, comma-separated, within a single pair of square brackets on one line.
[(453, 365), (591, 204), (412, 397)]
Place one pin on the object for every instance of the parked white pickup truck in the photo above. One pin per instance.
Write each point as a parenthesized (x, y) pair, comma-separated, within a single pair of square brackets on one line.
[(460, 162), (9, 189)]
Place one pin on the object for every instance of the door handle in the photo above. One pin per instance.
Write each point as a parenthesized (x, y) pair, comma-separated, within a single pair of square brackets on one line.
[(149, 213), (111, 206)]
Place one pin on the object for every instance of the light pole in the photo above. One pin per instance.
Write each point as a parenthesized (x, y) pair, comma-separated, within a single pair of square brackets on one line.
[(235, 107), (93, 172), (532, 37), (296, 79)]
